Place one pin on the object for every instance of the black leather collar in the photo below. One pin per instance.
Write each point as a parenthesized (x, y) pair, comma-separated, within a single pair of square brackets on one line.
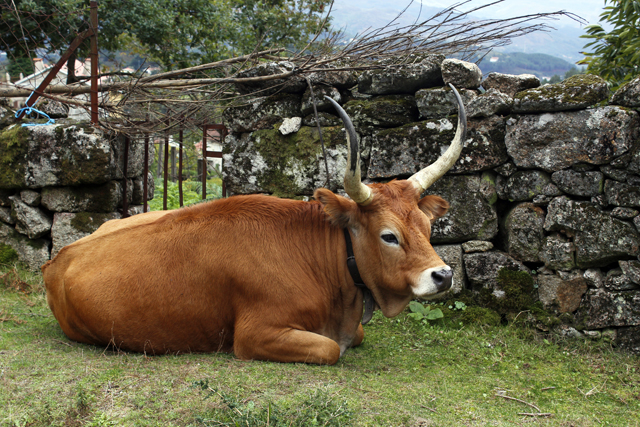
[(355, 275)]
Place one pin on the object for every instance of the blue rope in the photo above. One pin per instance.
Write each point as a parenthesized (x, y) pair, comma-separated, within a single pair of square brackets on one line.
[(29, 110)]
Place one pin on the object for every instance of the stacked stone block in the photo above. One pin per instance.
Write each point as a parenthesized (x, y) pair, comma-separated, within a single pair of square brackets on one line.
[(548, 181), (59, 183)]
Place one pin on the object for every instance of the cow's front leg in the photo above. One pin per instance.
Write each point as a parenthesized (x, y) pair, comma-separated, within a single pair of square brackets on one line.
[(284, 345), (357, 340)]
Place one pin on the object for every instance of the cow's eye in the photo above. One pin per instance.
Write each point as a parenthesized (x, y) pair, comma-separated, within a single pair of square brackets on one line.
[(389, 238)]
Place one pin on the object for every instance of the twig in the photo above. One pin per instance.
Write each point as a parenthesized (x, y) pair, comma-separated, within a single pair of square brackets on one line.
[(540, 414), (426, 407), (171, 95), (590, 392), (518, 400), (516, 318), (211, 65), (547, 388)]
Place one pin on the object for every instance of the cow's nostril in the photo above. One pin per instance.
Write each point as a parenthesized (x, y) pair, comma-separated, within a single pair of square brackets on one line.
[(442, 279)]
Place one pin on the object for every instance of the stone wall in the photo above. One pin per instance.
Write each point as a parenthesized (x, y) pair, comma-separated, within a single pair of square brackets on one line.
[(59, 183), (548, 181)]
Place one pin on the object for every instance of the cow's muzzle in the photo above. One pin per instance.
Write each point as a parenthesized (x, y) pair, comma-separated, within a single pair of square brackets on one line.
[(442, 279), (433, 281)]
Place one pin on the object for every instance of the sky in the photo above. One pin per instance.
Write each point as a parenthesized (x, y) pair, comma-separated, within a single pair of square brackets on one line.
[(590, 10), (563, 38)]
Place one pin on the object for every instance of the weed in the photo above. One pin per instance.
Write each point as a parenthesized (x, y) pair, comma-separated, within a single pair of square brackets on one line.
[(458, 305), (11, 280), (15, 277), (423, 313), (99, 420), (317, 409)]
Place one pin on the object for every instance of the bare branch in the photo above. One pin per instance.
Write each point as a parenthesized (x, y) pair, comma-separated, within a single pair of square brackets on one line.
[(188, 102)]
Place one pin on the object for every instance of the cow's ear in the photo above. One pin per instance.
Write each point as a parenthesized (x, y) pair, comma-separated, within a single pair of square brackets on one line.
[(341, 211), (433, 206)]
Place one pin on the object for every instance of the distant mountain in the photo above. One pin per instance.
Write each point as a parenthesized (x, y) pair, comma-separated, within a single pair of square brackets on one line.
[(564, 42), (539, 64)]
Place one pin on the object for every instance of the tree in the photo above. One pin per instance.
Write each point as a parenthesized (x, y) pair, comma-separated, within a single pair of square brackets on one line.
[(28, 26), (615, 55), (175, 33), (573, 71), (19, 65), (271, 23)]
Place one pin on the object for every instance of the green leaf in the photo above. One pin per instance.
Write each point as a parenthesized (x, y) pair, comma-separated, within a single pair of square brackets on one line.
[(416, 316), (416, 307), (434, 314)]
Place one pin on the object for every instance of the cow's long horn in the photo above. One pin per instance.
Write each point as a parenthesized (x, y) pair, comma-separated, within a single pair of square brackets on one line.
[(353, 186), (427, 176)]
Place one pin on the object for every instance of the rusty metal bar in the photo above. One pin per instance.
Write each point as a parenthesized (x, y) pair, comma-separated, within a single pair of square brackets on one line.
[(204, 161), (94, 62), (222, 132), (54, 71), (180, 167), (166, 170), (125, 172), (223, 135), (145, 174), (173, 164)]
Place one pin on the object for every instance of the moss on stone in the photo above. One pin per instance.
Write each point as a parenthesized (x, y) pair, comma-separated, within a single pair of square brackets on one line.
[(388, 110), (472, 314), (480, 316), (571, 90), (74, 153), (13, 157), (487, 230), (86, 222), (282, 152), (518, 292), (518, 289), (35, 244), (543, 317), (7, 254), (490, 179), (59, 131)]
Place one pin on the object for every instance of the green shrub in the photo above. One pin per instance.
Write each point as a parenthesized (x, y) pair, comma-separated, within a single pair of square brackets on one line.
[(191, 193), (8, 255)]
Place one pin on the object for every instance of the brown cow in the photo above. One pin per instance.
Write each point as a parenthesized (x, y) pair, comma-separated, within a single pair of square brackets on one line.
[(266, 278)]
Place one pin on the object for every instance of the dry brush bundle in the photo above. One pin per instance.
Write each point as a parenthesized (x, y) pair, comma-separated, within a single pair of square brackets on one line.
[(188, 97)]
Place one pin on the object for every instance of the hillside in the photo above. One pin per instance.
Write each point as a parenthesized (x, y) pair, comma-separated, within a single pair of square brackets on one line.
[(539, 64)]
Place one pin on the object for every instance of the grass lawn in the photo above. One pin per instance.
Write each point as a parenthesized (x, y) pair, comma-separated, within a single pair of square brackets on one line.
[(406, 373)]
